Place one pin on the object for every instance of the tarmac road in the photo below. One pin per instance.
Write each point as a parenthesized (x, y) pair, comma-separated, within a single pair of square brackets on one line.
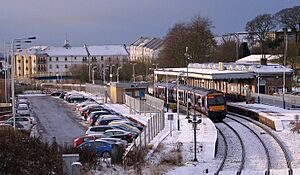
[(56, 118)]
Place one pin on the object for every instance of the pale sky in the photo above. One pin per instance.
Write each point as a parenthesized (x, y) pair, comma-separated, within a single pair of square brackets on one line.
[(121, 21)]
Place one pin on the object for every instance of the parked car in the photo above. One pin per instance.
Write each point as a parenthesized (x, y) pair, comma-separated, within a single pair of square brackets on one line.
[(25, 121), (118, 133), (22, 106), (92, 109), (56, 93), (92, 118), (106, 119), (125, 127), (85, 108), (5, 117), (102, 148), (24, 113), (115, 141), (78, 141), (128, 122), (75, 98), (96, 130), (10, 124)]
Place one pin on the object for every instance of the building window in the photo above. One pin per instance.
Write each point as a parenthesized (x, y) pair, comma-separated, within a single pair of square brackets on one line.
[(26, 61), (56, 58), (66, 58), (50, 66), (57, 67), (66, 66), (50, 59), (109, 59), (26, 68), (19, 68), (74, 58), (19, 61)]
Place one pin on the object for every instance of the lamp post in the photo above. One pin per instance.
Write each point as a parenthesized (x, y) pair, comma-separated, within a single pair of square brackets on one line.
[(111, 72), (258, 98), (154, 64), (89, 61), (18, 40), (103, 74), (118, 75), (93, 76), (177, 97), (187, 59), (284, 64), (195, 122), (133, 71)]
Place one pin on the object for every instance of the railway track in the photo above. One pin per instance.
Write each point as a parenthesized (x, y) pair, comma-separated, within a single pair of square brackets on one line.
[(271, 134), (226, 157)]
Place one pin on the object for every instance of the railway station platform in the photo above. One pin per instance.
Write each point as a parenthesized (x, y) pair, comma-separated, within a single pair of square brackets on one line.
[(274, 117)]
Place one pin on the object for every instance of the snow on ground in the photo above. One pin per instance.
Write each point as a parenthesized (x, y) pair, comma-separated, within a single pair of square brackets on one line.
[(165, 145)]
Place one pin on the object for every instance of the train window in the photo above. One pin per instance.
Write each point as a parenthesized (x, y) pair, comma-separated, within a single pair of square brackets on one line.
[(215, 100)]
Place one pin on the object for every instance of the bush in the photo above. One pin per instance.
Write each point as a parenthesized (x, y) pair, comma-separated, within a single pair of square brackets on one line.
[(20, 154)]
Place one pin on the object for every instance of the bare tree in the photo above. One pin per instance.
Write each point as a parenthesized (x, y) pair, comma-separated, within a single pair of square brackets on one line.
[(259, 27), (196, 35)]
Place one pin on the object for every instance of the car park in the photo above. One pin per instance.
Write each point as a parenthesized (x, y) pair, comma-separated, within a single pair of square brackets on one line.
[(96, 130), (106, 119), (101, 147)]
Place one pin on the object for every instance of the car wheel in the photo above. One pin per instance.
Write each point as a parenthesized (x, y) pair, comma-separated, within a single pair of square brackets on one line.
[(106, 154)]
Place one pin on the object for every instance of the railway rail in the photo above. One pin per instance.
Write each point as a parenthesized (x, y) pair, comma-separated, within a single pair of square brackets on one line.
[(270, 133)]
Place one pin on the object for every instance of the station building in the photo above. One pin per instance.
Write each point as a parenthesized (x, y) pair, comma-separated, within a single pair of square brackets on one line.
[(237, 77)]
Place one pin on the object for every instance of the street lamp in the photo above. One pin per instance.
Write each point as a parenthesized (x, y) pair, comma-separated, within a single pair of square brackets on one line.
[(177, 97), (195, 122), (258, 78), (103, 74), (187, 59), (284, 64), (118, 75), (111, 72), (133, 71), (18, 40), (89, 61), (93, 76)]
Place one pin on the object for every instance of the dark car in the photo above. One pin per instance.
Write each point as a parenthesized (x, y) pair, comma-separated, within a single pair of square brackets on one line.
[(95, 115), (56, 93), (92, 109), (121, 134), (75, 98)]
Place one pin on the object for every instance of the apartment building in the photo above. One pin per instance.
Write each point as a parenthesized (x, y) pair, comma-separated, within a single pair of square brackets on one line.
[(145, 49)]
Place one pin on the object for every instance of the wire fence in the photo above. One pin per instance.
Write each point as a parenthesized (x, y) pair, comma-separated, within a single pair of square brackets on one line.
[(291, 101), (153, 109)]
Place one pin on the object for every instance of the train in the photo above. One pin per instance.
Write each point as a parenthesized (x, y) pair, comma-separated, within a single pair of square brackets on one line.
[(209, 102)]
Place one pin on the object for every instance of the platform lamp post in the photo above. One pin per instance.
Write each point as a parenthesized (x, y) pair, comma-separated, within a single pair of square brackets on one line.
[(195, 122), (187, 59), (156, 65), (14, 41), (284, 64), (133, 70), (103, 75), (258, 78), (177, 97), (118, 74)]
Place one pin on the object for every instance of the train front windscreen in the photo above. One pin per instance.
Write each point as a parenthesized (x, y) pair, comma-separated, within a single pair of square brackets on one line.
[(215, 100)]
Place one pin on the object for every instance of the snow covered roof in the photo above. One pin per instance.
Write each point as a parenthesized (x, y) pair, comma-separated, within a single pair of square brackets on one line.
[(62, 51), (256, 58), (107, 50)]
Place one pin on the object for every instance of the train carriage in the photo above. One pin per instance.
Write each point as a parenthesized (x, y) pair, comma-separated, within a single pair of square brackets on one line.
[(210, 102)]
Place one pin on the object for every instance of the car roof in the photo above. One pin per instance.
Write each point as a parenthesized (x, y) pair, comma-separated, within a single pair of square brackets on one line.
[(111, 130)]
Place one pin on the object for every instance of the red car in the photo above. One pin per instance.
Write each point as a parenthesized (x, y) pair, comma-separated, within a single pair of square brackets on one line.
[(78, 141)]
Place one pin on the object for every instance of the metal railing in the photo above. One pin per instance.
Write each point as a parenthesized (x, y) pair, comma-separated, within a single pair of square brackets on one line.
[(291, 101), (152, 107)]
